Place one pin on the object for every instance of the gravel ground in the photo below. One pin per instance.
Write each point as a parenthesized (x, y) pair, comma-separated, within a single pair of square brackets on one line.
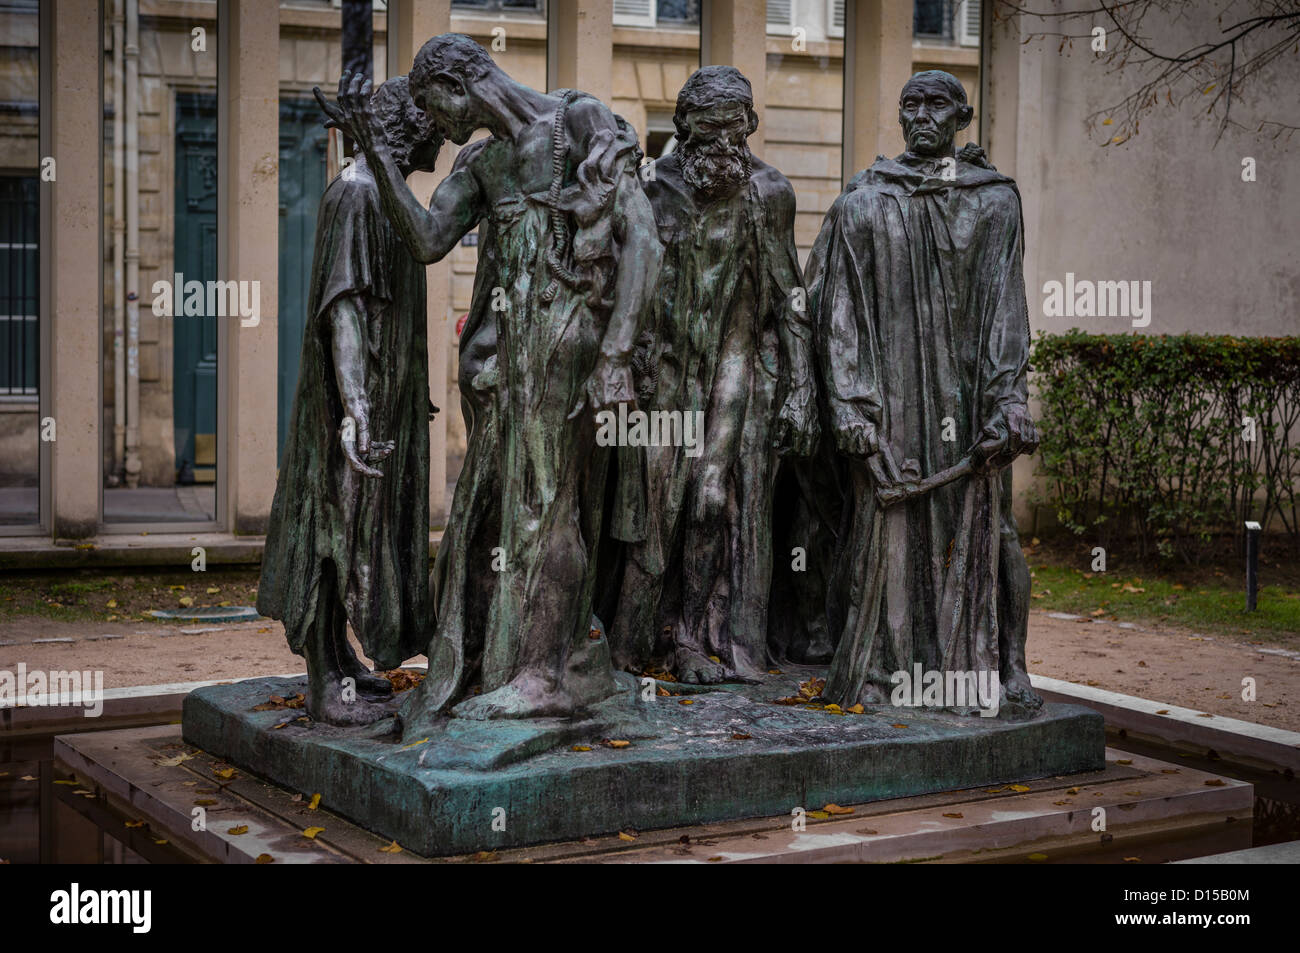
[(1164, 664)]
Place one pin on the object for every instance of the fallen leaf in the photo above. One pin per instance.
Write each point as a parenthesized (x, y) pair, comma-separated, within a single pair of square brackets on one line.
[(686, 701), (173, 762), (241, 829), (134, 824), (484, 857), (187, 601), (900, 725), (1132, 860), (616, 743), (857, 709), (205, 802), (393, 848), (111, 604), (224, 773), (1168, 770), (315, 802), (1214, 783), (836, 809), (819, 815), (624, 835), (714, 860), (740, 736), (1163, 711), (1072, 791), (213, 590), (1037, 856), (1124, 761), (955, 814), (581, 748), (311, 832), (265, 859), (413, 744), (65, 782), (1019, 788)]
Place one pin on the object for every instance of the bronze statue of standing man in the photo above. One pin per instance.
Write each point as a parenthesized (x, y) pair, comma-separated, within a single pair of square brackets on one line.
[(923, 341), (567, 261), (729, 338), (348, 542)]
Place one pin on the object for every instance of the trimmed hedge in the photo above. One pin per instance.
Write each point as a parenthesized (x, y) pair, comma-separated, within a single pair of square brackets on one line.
[(1148, 437)]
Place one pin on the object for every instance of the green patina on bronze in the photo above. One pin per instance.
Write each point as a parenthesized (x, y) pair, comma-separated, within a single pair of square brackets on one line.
[(348, 541)]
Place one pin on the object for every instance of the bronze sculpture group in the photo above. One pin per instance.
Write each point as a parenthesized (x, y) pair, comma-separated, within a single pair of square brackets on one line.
[(849, 496)]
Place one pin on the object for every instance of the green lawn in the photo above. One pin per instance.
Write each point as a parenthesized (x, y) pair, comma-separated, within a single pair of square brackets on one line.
[(1210, 607)]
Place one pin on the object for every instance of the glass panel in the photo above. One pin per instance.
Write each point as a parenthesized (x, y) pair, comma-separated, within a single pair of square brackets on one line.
[(314, 46), (19, 263), (932, 18), (160, 325), (805, 116)]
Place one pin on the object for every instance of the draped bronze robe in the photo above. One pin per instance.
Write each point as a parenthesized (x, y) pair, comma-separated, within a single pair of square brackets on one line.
[(922, 329), (373, 533)]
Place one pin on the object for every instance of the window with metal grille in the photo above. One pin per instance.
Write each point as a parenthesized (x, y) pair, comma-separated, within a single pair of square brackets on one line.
[(19, 277)]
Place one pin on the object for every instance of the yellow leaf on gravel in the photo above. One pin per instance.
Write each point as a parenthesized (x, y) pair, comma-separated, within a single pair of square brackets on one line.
[(224, 773), (393, 848), (624, 835), (857, 709), (1124, 761), (836, 809), (241, 829), (686, 701), (581, 748), (315, 802), (714, 860), (187, 601), (1037, 856), (205, 802), (111, 604), (1019, 788), (311, 832), (213, 590), (617, 743), (955, 814), (820, 815)]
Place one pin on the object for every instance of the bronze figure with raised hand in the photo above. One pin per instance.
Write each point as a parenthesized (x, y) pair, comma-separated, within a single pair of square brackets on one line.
[(348, 535), (567, 261)]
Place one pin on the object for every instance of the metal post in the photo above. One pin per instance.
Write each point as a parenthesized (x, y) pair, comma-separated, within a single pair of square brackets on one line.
[(1252, 564)]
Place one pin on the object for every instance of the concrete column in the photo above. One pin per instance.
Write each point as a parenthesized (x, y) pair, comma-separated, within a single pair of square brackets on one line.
[(580, 47), (877, 62), (75, 107), (734, 33), (1011, 133), (412, 24), (248, 235)]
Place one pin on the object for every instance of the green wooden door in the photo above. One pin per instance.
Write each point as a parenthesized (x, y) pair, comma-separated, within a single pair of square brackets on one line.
[(194, 339), (302, 181)]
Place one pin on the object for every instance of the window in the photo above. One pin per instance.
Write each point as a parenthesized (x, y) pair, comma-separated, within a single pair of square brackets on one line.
[(19, 275), (835, 18), (780, 16), (932, 19), (656, 12), (496, 6)]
